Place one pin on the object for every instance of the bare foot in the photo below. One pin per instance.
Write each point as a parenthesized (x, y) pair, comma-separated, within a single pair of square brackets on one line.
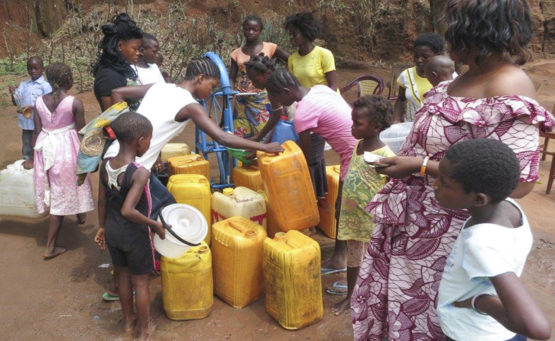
[(129, 326), (54, 253), (341, 307), (146, 334), (81, 218)]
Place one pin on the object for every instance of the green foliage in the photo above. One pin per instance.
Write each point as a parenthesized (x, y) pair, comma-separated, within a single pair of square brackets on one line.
[(15, 66), (182, 37)]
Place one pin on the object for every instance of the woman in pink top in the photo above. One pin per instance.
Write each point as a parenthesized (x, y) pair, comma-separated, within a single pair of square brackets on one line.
[(252, 111)]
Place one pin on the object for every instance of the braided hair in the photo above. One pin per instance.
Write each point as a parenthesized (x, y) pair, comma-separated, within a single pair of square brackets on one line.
[(202, 66), (121, 28), (484, 166), (260, 63), (305, 22), (281, 79)]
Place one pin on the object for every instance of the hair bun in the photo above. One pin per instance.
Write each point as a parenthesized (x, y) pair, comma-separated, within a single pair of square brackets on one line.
[(109, 30)]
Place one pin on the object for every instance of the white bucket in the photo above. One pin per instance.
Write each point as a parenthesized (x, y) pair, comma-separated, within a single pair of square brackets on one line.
[(188, 223), (395, 135)]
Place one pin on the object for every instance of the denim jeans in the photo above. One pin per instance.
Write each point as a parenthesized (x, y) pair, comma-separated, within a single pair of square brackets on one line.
[(27, 144)]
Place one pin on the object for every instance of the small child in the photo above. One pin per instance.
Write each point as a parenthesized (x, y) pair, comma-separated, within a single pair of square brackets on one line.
[(370, 115), (439, 69), (480, 294), (124, 205), (146, 66), (24, 97), (58, 117)]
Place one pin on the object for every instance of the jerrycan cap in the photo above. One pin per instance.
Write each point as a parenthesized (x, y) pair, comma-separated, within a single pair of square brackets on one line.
[(228, 191)]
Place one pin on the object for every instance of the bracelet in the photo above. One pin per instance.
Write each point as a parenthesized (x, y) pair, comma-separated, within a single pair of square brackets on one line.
[(473, 303), (424, 166), (278, 108)]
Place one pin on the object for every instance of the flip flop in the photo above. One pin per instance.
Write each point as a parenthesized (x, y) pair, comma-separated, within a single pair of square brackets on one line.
[(109, 297), (336, 292), (328, 271)]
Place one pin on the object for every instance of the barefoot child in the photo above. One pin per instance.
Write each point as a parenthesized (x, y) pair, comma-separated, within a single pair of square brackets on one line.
[(480, 294), (58, 118), (124, 205), (371, 115), (439, 69), (24, 97)]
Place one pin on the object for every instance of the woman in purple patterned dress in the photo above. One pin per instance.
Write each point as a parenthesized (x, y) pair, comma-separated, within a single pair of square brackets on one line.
[(396, 290)]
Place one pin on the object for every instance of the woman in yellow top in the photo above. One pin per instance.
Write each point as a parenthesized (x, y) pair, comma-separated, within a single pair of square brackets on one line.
[(412, 81), (311, 64), (252, 111)]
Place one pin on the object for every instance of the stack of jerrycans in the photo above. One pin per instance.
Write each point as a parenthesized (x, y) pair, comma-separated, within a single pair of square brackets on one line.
[(189, 164), (247, 176), (240, 201), (328, 223), (194, 190), (237, 260), (187, 284), (289, 187), (292, 279)]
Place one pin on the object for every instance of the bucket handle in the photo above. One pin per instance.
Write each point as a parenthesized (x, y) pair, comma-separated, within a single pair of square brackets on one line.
[(175, 235)]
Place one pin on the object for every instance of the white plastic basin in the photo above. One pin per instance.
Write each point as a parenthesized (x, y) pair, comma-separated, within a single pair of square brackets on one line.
[(188, 223)]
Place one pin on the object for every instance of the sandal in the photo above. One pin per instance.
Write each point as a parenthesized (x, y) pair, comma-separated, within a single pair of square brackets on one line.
[(109, 297)]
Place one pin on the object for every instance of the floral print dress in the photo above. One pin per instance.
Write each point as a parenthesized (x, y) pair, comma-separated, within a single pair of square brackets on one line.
[(396, 291)]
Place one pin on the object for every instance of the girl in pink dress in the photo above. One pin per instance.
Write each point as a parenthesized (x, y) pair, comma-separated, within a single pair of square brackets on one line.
[(59, 118), (396, 292)]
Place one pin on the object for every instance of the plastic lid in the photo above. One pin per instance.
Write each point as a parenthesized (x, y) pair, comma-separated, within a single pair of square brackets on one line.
[(228, 191)]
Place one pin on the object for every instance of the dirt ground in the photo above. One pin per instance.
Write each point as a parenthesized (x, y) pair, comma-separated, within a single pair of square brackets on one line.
[(60, 299)]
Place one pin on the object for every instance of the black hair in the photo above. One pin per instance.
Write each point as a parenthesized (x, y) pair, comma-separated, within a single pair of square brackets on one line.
[(121, 28), (484, 166), (305, 22), (260, 63), (432, 40), (35, 59), (130, 125), (280, 79), (201, 66), (59, 76), (379, 109), (502, 26), (255, 18), (148, 36)]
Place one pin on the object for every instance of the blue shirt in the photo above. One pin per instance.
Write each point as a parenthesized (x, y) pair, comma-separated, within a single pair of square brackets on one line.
[(28, 91)]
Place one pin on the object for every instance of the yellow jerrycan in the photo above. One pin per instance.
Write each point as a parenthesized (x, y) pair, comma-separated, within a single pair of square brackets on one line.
[(173, 150), (187, 285), (240, 201), (328, 223), (237, 260), (189, 164), (272, 226), (289, 187), (194, 190), (247, 176), (292, 279)]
